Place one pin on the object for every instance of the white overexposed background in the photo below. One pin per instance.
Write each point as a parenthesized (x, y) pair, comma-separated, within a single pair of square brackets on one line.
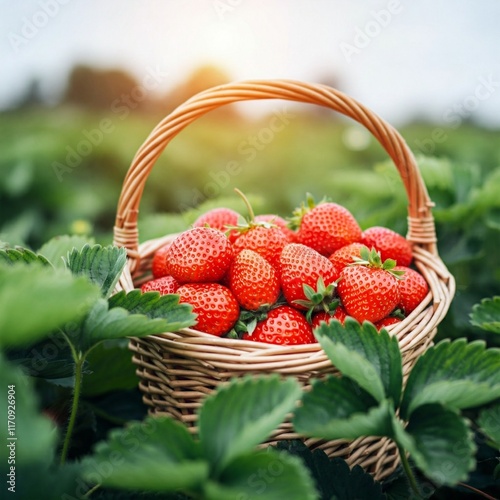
[(403, 59)]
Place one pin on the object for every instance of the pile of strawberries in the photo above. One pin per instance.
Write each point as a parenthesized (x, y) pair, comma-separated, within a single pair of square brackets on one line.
[(270, 280)]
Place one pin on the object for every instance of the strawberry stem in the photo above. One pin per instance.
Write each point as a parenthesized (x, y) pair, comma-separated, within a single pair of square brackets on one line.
[(251, 213), (74, 407)]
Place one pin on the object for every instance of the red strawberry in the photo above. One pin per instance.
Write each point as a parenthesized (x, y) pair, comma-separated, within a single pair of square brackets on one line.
[(284, 325), (216, 307), (266, 241), (281, 223), (299, 266), (369, 290), (164, 285), (326, 227), (159, 263), (345, 256), (221, 219), (339, 314), (387, 321), (390, 244), (201, 254), (253, 281), (412, 289)]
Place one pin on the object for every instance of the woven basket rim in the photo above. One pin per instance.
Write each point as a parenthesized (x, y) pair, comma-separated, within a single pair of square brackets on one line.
[(423, 320)]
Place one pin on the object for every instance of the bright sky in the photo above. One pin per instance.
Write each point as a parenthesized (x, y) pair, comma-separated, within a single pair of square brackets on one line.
[(433, 58)]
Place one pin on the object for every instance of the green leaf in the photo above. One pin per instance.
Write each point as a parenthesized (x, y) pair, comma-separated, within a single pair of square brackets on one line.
[(333, 477), (486, 315), (50, 358), (38, 300), (155, 455), (44, 481), (30, 436), (103, 323), (56, 249), (267, 475), (337, 408), (111, 368), (12, 256), (440, 443), (489, 423), (240, 415), (119, 406), (153, 305), (369, 357), (101, 265), (457, 374)]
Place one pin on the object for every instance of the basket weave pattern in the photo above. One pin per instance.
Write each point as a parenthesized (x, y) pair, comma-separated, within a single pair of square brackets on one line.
[(178, 369)]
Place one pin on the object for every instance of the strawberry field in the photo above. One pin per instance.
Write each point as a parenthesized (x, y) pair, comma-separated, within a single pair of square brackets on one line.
[(313, 253)]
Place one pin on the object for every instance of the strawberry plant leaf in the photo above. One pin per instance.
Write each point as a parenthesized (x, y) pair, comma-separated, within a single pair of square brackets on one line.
[(11, 256), (158, 454), (267, 475), (111, 369), (440, 443), (337, 408), (489, 423), (45, 482), (360, 352), (457, 374), (242, 414), (333, 477), (486, 315), (101, 265), (155, 306), (56, 249), (37, 300), (33, 435), (103, 322), (50, 358)]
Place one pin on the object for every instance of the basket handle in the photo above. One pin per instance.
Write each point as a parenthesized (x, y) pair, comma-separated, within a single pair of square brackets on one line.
[(421, 228)]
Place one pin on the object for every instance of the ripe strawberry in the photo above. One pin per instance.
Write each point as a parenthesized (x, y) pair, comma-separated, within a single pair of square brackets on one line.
[(345, 256), (201, 254), (220, 218), (283, 325), (159, 263), (369, 290), (302, 266), (216, 307), (164, 285), (262, 237), (339, 314), (387, 321), (281, 223), (390, 244), (266, 241), (253, 280), (326, 227), (412, 289)]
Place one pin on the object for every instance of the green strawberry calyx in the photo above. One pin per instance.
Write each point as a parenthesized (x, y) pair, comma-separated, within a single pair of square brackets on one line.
[(295, 220), (321, 299), (248, 320), (372, 258)]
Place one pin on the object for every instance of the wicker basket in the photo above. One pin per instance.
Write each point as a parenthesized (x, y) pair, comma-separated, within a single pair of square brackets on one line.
[(178, 369)]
